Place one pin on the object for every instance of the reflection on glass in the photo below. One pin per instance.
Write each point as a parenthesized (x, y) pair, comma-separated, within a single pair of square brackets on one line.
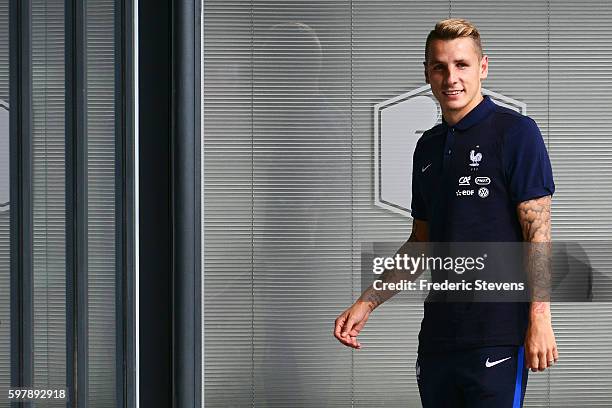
[(100, 56), (48, 194), (5, 326), (277, 191), (5, 262), (301, 197)]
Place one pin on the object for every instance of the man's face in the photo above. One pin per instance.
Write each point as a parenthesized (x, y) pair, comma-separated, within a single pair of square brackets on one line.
[(454, 73)]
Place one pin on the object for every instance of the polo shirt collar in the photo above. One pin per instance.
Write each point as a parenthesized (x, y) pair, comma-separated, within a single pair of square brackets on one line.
[(474, 116)]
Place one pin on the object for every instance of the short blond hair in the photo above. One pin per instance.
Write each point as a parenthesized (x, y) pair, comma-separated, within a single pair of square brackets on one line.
[(452, 28)]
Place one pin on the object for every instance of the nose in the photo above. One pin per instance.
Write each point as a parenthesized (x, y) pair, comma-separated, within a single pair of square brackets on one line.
[(451, 76)]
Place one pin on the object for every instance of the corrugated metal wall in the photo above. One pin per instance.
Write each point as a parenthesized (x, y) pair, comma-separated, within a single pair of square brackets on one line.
[(289, 88)]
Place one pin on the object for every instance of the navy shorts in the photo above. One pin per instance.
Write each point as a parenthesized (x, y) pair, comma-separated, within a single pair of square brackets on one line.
[(476, 378)]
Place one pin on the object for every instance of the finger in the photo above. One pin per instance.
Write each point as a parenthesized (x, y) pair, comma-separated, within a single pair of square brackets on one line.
[(555, 354), (354, 332), (348, 341), (533, 362), (338, 331), (543, 362), (345, 340), (360, 325), (348, 326), (550, 360), (526, 361), (339, 323)]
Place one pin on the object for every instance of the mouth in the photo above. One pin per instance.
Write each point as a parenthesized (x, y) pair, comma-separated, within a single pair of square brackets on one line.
[(453, 92)]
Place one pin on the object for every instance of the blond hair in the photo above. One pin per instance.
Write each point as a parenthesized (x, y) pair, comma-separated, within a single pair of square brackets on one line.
[(452, 28)]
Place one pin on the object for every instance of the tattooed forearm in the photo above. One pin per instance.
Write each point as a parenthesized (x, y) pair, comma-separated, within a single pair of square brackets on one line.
[(538, 268), (534, 217), (540, 307), (374, 297)]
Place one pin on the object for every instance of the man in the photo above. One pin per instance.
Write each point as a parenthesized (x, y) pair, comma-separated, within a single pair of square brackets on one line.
[(474, 354)]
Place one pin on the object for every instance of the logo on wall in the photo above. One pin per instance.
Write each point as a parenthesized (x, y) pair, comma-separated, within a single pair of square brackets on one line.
[(399, 122)]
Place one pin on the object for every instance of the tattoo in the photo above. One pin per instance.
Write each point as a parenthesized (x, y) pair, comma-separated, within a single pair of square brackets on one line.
[(539, 307), (373, 297), (534, 217)]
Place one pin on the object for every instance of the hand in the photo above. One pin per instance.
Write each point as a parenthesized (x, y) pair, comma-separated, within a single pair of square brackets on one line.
[(350, 322), (540, 345)]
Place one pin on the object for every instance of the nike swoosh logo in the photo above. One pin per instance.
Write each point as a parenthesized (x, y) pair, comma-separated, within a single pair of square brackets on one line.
[(425, 168), (493, 363)]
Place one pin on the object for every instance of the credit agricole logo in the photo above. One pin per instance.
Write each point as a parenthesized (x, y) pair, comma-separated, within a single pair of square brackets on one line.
[(398, 124)]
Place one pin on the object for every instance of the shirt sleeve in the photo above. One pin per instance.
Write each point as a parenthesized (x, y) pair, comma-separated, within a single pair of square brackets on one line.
[(526, 163), (418, 208)]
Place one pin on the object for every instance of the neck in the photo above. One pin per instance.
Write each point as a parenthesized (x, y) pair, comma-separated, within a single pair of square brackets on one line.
[(452, 117)]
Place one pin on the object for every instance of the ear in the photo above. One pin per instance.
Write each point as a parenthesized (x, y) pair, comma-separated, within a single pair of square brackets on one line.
[(484, 66)]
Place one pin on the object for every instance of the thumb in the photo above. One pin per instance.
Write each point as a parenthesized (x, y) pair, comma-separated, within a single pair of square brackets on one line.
[(348, 325), (357, 328)]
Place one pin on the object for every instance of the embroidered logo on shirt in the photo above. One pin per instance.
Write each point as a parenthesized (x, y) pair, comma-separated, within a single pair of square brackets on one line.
[(423, 169), (465, 193), (483, 192), (465, 180), (482, 181), (475, 158)]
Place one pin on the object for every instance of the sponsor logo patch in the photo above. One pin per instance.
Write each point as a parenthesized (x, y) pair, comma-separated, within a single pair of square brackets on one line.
[(483, 192), (482, 181), (465, 193), (465, 180)]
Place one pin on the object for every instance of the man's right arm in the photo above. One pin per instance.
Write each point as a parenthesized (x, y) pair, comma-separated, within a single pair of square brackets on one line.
[(374, 298), (348, 325)]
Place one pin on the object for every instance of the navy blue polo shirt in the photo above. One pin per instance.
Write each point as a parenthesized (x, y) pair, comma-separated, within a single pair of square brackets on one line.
[(467, 180)]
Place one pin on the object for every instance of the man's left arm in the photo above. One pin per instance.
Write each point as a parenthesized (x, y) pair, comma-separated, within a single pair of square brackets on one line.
[(540, 345)]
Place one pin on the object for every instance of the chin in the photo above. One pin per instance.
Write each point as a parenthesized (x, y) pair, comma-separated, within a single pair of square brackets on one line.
[(455, 105)]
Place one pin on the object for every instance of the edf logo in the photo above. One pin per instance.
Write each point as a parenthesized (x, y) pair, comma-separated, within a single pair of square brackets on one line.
[(398, 124)]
